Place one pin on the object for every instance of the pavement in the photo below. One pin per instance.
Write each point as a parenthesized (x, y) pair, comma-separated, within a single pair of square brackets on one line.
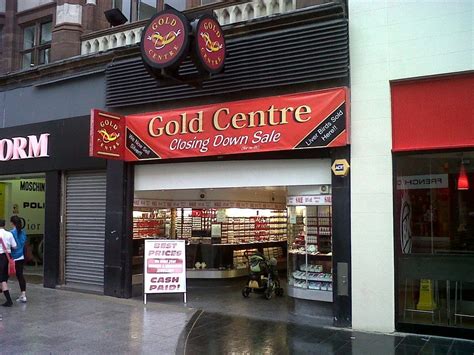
[(67, 322)]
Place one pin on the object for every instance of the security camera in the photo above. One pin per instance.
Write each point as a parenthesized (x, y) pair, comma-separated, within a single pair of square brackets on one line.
[(202, 195)]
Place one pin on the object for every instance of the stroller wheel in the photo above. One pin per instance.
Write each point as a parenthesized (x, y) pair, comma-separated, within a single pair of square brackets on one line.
[(268, 293), (246, 292), (279, 291)]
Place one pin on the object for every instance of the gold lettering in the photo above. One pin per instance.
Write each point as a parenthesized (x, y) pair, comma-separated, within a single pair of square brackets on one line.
[(238, 117), (298, 112), (252, 118), (271, 112), (215, 119), (283, 111), (195, 124), (171, 131), (151, 131)]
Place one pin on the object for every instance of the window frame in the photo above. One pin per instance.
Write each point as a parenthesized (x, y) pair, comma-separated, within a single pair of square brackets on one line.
[(37, 47)]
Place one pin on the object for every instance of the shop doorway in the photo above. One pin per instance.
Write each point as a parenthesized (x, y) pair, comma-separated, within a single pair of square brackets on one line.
[(24, 196), (224, 227)]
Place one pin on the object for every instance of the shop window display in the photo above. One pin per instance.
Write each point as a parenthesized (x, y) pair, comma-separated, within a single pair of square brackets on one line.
[(310, 252), (434, 226), (217, 237)]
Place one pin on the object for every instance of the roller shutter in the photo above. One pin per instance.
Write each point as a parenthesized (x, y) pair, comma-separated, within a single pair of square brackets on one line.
[(85, 230)]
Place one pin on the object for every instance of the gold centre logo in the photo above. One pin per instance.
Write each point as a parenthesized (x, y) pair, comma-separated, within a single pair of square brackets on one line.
[(160, 41)]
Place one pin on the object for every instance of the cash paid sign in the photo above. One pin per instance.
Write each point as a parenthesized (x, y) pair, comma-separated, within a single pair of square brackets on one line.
[(165, 266), (315, 119)]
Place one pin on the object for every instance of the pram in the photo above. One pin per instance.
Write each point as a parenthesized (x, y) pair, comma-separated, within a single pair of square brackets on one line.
[(263, 276)]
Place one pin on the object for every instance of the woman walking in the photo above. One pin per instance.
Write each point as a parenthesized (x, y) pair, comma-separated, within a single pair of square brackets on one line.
[(18, 255), (7, 243)]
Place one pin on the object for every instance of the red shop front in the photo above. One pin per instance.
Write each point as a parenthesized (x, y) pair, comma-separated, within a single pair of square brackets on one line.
[(433, 141)]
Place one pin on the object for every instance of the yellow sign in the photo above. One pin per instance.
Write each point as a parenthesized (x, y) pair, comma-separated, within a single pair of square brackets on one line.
[(426, 301), (340, 167)]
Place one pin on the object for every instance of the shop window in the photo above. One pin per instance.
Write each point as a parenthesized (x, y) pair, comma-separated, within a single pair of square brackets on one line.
[(36, 47), (434, 226)]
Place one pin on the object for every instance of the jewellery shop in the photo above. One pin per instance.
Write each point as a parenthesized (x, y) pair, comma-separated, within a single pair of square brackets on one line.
[(242, 163)]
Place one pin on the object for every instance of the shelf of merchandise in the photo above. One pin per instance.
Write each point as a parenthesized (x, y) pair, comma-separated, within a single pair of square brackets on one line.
[(310, 255), (239, 230)]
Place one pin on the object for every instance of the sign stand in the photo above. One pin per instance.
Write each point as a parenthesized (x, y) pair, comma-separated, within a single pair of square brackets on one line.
[(164, 267)]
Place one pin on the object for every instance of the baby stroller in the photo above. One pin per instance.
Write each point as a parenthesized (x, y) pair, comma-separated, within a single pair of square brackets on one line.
[(263, 276)]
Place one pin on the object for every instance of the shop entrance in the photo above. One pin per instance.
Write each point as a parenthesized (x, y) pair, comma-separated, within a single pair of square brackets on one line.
[(24, 196), (224, 226)]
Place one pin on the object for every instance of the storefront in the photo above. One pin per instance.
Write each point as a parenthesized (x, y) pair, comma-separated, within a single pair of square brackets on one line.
[(239, 161), (433, 204), (48, 179)]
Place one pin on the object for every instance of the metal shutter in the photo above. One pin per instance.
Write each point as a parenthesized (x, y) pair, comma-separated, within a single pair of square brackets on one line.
[(85, 230)]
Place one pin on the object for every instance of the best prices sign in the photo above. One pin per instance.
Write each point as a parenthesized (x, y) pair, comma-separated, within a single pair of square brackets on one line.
[(164, 266), (299, 121)]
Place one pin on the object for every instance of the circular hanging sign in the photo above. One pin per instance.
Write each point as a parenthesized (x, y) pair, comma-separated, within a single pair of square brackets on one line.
[(165, 39), (210, 44)]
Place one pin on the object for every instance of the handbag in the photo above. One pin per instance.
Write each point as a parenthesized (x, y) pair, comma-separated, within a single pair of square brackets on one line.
[(11, 262)]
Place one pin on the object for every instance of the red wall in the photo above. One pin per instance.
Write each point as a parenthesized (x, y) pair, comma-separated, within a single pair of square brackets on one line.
[(433, 113)]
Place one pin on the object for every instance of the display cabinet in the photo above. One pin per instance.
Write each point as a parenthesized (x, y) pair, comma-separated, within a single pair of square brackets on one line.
[(310, 253)]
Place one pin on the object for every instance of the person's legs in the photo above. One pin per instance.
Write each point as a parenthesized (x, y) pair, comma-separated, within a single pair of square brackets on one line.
[(6, 293), (19, 264), (4, 279)]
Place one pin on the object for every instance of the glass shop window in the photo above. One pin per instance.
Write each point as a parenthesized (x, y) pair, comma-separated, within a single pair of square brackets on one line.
[(434, 238)]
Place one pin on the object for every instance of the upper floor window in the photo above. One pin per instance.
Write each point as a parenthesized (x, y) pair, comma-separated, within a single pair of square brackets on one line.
[(1, 39), (135, 10), (179, 5), (2, 5), (207, 2), (36, 44)]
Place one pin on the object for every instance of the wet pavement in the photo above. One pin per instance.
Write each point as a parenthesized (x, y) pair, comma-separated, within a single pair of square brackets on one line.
[(226, 298), (64, 322), (214, 333)]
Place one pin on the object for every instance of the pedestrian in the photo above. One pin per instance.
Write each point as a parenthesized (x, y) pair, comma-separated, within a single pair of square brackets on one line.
[(18, 255), (7, 243)]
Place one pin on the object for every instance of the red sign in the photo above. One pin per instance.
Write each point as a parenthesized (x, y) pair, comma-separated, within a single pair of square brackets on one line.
[(210, 44), (300, 121), (434, 113), (107, 135), (165, 39)]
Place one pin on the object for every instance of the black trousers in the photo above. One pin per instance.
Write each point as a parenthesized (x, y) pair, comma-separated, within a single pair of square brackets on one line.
[(19, 264)]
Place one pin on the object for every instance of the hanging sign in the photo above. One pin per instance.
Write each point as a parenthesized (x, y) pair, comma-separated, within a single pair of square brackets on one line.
[(164, 267), (298, 121), (209, 44), (165, 39), (107, 135)]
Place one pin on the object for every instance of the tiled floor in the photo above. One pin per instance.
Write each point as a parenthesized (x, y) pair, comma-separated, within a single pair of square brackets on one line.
[(213, 333)]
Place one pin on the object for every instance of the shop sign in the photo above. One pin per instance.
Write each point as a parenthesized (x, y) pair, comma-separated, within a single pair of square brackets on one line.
[(415, 182), (164, 267), (165, 39), (298, 121), (210, 44), (145, 203), (28, 147), (315, 200), (106, 135), (340, 167)]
